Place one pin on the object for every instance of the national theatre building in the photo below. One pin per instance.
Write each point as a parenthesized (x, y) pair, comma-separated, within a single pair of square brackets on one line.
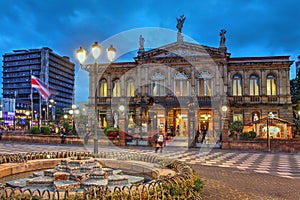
[(183, 87)]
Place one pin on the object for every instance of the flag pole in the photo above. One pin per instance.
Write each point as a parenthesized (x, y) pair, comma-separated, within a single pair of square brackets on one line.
[(31, 97), (40, 112)]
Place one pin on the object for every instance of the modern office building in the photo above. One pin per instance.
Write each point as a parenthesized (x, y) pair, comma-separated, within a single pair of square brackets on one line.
[(183, 87), (56, 71), (298, 66)]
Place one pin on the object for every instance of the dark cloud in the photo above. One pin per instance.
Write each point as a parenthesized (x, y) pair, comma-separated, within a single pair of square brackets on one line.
[(254, 27)]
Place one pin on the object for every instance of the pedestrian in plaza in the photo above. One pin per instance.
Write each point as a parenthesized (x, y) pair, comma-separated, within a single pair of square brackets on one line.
[(86, 137), (203, 136), (159, 144), (197, 136), (63, 135)]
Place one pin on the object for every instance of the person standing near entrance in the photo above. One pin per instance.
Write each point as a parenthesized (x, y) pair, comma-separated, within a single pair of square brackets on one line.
[(203, 135), (159, 144)]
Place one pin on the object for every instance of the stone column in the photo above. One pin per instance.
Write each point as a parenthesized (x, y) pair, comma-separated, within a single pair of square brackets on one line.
[(225, 129), (191, 127), (151, 123)]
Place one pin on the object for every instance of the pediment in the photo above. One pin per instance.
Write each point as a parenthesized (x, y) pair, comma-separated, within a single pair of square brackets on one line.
[(180, 52), (184, 49)]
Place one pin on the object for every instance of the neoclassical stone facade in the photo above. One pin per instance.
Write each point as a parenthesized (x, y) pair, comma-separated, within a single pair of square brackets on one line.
[(181, 88)]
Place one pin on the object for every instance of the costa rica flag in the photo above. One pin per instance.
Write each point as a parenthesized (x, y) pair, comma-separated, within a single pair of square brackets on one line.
[(41, 87)]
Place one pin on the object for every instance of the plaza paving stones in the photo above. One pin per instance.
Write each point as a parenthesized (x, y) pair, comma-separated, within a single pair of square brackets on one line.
[(278, 164)]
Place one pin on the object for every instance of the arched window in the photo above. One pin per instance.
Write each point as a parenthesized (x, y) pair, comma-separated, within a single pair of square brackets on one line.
[(181, 84), (204, 84), (103, 88), (254, 85), (130, 87), (116, 89), (271, 85), (158, 84), (237, 85)]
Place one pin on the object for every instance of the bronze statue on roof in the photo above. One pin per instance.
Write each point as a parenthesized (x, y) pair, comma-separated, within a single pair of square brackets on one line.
[(180, 22)]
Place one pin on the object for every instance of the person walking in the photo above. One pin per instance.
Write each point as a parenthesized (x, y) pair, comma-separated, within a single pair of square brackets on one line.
[(63, 135), (86, 137), (159, 143), (204, 132)]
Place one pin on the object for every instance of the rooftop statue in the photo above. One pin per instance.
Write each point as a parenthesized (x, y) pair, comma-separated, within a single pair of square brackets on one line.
[(223, 39), (142, 41), (180, 22)]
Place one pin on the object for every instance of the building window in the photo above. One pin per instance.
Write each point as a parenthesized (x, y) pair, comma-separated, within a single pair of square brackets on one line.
[(130, 87), (238, 116), (103, 88), (237, 85), (271, 85), (181, 84), (116, 90), (204, 84), (254, 85), (158, 85), (103, 120)]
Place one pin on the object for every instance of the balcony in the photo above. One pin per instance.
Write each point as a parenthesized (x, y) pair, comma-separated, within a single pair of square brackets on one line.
[(272, 99), (255, 99)]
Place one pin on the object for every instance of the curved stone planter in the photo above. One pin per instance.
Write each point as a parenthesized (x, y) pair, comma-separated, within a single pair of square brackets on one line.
[(166, 172)]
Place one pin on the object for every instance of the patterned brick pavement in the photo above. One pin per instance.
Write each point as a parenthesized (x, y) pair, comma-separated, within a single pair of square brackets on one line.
[(278, 164), (231, 175)]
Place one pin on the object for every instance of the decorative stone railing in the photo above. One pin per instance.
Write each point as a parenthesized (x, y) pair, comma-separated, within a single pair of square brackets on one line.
[(162, 187)]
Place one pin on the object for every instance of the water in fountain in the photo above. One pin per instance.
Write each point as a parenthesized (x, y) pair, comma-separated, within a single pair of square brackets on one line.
[(75, 174)]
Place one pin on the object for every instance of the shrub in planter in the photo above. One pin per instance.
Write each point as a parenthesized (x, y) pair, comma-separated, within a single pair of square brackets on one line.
[(252, 134), (34, 130), (45, 130), (244, 136), (111, 132), (237, 128)]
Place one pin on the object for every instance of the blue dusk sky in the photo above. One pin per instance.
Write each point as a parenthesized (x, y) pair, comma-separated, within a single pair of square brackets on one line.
[(254, 27)]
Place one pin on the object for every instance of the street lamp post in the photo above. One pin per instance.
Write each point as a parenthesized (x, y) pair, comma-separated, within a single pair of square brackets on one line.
[(224, 129), (27, 113), (270, 116), (51, 106), (74, 111), (94, 68)]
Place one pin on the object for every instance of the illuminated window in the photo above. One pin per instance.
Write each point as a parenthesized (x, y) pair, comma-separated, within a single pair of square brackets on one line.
[(204, 84), (271, 85), (103, 88), (102, 120), (237, 85), (158, 85), (254, 85), (116, 92), (238, 116), (181, 84), (130, 87)]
